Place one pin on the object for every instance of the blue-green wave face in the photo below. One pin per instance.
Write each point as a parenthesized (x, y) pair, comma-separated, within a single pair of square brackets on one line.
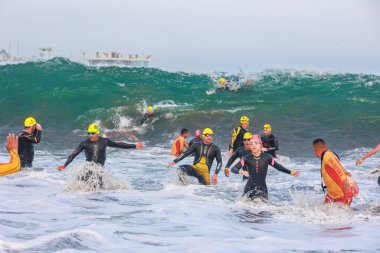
[(300, 105)]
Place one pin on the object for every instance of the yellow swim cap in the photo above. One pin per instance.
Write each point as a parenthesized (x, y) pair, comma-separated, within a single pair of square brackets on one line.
[(222, 80), (150, 108), (267, 127), (244, 119), (207, 131), (30, 122), (93, 128), (247, 135)]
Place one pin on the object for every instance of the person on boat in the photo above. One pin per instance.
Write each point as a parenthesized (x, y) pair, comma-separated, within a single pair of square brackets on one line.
[(340, 187), (237, 135), (179, 144), (205, 153), (257, 163), (270, 141), (239, 153), (14, 165), (31, 135)]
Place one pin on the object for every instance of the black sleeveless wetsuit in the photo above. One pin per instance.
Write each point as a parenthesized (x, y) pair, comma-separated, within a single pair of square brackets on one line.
[(26, 148), (258, 167)]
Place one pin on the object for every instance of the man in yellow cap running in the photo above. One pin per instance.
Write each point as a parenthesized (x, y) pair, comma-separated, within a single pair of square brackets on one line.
[(205, 153), (31, 134), (237, 135), (270, 142), (95, 147)]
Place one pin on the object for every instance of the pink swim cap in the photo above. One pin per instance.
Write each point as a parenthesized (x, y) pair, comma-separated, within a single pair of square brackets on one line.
[(256, 137), (198, 133)]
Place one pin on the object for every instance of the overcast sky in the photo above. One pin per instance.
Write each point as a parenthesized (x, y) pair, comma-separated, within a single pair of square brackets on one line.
[(203, 35)]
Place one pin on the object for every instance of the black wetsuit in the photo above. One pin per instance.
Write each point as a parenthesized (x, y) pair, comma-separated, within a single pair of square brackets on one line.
[(195, 140), (258, 167), (96, 151), (146, 117), (237, 138), (204, 156), (271, 143), (26, 148), (239, 153)]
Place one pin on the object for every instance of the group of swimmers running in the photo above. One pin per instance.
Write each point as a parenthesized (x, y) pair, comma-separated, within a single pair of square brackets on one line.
[(255, 152)]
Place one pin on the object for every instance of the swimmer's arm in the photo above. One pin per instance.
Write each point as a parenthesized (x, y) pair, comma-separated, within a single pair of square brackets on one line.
[(236, 168), (74, 154), (188, 152), (279, 167), (111, 143), (233, 139), (232, 159), (369, 154), (31, 138), (218, 160)]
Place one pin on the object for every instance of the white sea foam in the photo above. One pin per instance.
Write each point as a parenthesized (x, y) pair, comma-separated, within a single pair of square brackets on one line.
[(144, 208)]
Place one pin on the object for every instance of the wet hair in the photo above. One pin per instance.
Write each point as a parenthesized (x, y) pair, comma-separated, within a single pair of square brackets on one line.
[(319, 141), (184, 130)]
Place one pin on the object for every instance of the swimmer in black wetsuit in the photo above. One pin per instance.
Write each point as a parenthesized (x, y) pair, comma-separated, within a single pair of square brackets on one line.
[(205, 152), (237, 135), (257, 164), (270, 142), (149, 114), (198, 137), (31, 135), (95, 147), (239, 153)]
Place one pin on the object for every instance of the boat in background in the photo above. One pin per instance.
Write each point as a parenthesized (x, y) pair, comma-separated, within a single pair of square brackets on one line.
[(116, 59)]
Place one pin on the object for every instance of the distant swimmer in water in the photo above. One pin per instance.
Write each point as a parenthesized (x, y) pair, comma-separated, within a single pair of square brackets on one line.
[(198, 137), (369, 154), (270, 142), (179, 144), (95, 148), (205, 153), (239, 153), (237, 135), (148, 115), (340, 187), (257, 167), (14, 164), (31, 135)]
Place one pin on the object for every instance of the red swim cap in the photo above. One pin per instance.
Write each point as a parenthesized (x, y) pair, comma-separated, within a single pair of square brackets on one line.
[(198, 133), (256, 137)]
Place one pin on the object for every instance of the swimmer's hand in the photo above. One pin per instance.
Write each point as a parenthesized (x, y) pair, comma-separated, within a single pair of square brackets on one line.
[(170, 164), (244, 173), (359, 162), (214, 179), (295, 173), (230, 152), (60, 168), (139, 145), (227, 172)]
